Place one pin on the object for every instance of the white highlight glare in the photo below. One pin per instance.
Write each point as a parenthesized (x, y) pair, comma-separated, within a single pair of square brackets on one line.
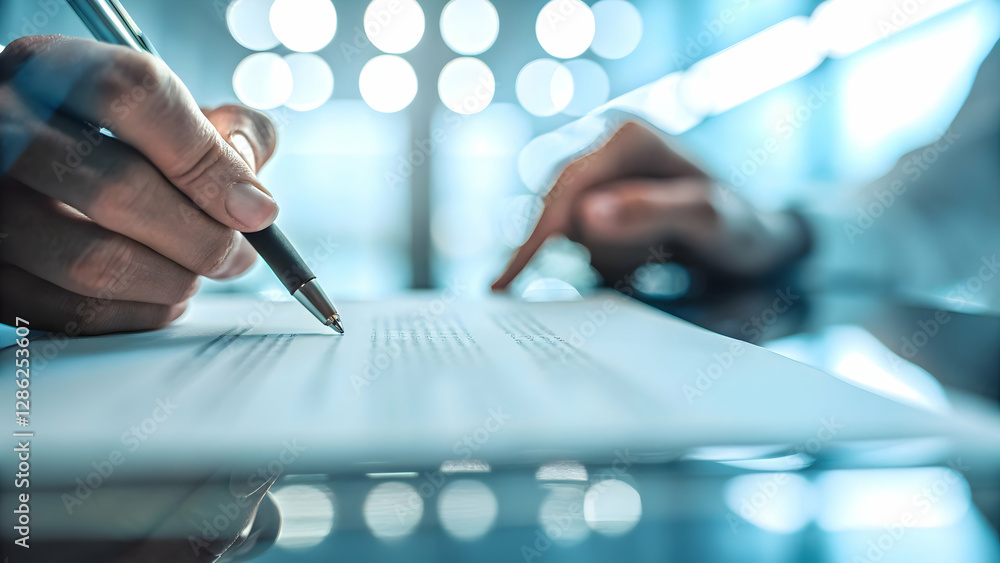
[(465, 466), (590, 86), (544, 87), (619, 28), (777, 502), (249, 24), (306, 515), (561, 471), (466, 85), (847, 26), (467, 509), (263, 81), (393, 510), (394, 26), (740, 73), (897, 499), (388, 83), (304, 25), (312, 81), (469, 27), (550, 289), (612, 507), (565, 28)]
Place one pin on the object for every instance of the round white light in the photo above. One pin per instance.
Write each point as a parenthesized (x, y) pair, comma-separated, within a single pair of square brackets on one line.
[(565, 28), (394, 26), (612, 507), (590, 86), (306, 515), (544, 87), (559, 515), (469, 27), (312, 81), (263, 81), (393, 509), (388, 83), (466, 85), (619, 28), (304, 25), (467, 509), (249, 24)]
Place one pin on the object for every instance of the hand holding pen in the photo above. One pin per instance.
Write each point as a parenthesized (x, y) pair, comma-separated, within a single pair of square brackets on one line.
[(111, 234)]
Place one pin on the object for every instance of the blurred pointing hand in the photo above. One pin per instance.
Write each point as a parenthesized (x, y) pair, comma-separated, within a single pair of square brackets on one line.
[(634, 194), (111, 234)]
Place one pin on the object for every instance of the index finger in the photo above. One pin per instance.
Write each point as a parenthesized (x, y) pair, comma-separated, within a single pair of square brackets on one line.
[(136, 97), (616, 157)]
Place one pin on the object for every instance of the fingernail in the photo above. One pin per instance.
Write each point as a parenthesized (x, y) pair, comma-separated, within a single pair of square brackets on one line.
[(251, 207), (243, 146)]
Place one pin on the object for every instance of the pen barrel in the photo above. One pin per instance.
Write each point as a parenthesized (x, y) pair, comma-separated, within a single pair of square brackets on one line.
[(281, 257)]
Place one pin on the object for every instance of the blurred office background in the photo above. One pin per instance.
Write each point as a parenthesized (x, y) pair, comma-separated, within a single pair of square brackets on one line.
[(411, 132)]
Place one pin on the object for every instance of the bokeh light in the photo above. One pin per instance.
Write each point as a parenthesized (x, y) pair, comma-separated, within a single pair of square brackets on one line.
[(612, 507), (312, 81), (619, 28), (249, 24), (263, 81), (304, 25), (565, 28), (466, 85), (394, 26), (388, 83), (306, 515), (591, 86), (544, 87), (560, 515), (393, 510), (469, 27), (467, 509)]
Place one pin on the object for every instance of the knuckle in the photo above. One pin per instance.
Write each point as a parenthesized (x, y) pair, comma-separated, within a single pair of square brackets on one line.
[(104, 267), (132, 74), (213, 251)]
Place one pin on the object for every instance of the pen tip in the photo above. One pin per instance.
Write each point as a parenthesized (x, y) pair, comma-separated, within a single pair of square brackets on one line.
[(336, 325)]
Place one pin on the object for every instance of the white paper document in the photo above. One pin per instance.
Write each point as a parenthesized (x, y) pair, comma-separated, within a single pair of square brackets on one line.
[(426, 378)]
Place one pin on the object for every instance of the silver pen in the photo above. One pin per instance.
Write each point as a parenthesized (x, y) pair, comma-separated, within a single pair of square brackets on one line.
[(110, 23)]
